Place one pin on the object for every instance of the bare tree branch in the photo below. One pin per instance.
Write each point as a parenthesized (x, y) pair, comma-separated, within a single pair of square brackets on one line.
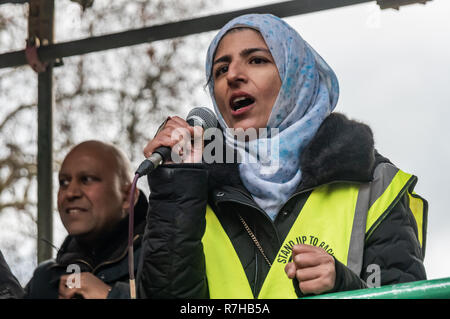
[(14, 113)]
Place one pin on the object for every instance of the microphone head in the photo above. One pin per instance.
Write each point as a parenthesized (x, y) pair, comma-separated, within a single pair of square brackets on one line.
[(202, 116)]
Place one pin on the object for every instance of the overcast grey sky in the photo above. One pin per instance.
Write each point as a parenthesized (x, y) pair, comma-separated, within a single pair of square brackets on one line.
[(394, 74)]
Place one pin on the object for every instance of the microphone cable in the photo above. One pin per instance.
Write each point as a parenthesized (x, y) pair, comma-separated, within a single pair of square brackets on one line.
[(131, 238)]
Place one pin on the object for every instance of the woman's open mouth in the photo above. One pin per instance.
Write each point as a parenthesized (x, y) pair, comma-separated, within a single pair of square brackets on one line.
[(241, 103)]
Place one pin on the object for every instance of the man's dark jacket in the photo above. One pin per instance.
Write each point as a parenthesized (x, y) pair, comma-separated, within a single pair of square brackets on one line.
[(109, 261), (10, 287), (173, 263)]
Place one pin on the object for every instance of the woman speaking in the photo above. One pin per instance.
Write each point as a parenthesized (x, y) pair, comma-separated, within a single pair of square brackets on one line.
[(322, 213)]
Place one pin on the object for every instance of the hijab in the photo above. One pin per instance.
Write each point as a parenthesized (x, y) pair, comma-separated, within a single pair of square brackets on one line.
[(308, 94)]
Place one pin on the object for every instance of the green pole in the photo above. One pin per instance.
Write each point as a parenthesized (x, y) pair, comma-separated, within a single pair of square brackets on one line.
[(425, 289)]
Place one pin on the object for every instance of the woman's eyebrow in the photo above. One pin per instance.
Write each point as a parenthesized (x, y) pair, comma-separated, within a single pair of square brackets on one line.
[(247, 52), (225, 58), (243, 53)]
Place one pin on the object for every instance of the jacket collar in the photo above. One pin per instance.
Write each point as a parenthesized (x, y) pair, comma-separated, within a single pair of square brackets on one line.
[(341, 150)]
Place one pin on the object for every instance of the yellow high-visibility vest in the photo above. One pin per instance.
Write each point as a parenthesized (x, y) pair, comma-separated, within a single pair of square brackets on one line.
[(338, 217)]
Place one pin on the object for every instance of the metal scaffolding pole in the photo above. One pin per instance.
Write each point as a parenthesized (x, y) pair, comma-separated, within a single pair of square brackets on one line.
[(44, 164), (40, 30), (183, 28), (13, 1), (169, 30)]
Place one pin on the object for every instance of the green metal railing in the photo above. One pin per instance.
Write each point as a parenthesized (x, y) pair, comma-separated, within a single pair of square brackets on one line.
[(425, 289)]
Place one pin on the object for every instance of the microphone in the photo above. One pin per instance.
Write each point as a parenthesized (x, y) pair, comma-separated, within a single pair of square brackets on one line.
[(198, 116)]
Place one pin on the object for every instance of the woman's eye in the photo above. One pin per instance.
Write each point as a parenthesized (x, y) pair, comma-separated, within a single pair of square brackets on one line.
[(258, 61), (221, 70)]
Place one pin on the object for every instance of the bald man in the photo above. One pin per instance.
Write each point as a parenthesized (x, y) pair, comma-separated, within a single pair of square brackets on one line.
[(93, 202)]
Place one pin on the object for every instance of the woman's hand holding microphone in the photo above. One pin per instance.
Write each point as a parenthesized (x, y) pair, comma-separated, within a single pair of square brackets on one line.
[(185, 141)]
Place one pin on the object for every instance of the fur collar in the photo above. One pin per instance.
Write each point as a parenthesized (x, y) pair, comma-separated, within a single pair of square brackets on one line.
[(341, 150)]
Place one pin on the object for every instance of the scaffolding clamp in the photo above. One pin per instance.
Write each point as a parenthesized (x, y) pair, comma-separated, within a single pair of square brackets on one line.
[(396, 4), (32, 55)]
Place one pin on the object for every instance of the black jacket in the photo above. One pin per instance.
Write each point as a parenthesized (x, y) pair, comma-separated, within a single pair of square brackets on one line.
[(10, 287), (173, 265), (109, 261)]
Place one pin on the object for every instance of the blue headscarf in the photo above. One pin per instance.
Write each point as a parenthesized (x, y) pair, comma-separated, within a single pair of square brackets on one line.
[(308, 94)]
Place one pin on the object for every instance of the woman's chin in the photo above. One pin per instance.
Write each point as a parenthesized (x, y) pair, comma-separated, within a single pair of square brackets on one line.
[(247, 124)]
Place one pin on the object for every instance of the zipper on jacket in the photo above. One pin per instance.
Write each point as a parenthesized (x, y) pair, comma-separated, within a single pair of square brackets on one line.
[(108, 262), (258, 209), (272, 222), (94, 269)]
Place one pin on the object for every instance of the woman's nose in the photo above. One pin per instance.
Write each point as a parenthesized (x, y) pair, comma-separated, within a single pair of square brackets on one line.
[(236, 74)]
